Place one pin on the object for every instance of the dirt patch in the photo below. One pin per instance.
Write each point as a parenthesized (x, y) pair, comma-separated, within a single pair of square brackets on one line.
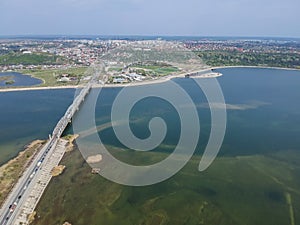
[(31, 217), (56, 171), (94, 159), (67, 223)]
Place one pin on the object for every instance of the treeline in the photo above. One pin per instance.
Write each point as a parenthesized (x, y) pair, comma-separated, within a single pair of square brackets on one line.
[(234, 58), (31, 59)]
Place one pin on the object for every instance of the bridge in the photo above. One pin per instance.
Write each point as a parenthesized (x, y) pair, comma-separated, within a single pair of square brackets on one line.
[(25, 195), (27, 192)]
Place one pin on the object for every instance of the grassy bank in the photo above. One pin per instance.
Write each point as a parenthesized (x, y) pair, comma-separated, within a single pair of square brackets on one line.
[(11, 171)]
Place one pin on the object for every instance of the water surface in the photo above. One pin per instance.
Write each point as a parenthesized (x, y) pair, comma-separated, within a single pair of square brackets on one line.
[(257, 167), (29, 115), (19, 80)]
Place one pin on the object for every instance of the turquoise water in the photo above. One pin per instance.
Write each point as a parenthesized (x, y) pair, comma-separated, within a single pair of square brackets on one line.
[(19, 79)]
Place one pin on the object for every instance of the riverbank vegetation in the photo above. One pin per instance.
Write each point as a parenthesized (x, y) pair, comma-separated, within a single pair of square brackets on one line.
[(12, 170)]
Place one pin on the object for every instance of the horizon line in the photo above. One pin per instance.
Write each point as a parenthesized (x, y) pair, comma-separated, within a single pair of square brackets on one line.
[(142, 35)]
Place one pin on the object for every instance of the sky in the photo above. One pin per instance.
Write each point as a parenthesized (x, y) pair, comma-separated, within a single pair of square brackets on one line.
[(268, 18)]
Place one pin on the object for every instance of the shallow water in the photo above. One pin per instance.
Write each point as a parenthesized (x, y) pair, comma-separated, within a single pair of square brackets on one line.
[(20, 80)]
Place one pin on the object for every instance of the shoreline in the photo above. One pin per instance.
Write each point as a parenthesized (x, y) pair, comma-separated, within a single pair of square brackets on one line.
[(256, 67), (147, 82), (153, 81), (132, 84), (37, 88), (15, 167)]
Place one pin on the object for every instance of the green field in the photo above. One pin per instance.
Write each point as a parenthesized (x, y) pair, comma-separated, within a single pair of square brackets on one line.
[(234, 190), (50, 76), (159, 70), (116, 69)]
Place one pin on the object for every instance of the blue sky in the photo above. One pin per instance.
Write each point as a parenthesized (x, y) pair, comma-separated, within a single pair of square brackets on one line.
[(151, 17)]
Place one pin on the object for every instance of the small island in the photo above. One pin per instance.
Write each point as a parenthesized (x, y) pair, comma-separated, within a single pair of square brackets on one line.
[(57, 170), (8, 80)]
